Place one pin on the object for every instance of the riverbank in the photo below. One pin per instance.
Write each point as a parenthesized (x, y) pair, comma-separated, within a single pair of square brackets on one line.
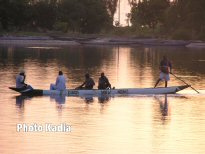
[(94, 40)]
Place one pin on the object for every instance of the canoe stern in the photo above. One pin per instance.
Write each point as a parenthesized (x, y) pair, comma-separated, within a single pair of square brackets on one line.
[(179, 88)]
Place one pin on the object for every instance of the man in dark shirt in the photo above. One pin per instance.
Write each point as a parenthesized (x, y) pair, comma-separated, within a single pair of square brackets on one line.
[(165, 68), (103, 82), (88, 84)]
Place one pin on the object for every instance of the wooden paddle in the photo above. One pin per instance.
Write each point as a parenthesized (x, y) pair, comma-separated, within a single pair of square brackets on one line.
[(184, 82)]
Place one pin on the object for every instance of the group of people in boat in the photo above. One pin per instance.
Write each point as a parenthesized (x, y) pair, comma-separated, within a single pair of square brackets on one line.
[(103, 82), (60, 84)]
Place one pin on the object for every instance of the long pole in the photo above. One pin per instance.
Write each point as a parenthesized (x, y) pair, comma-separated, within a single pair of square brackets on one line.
[(118, 59), (184, 82)]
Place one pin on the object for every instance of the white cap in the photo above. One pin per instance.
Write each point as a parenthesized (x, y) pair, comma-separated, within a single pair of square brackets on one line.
[(21, 70)]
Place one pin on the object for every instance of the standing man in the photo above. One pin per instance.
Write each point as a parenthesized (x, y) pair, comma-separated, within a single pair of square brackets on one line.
[(103, 82), (165, 69), (60, 82)]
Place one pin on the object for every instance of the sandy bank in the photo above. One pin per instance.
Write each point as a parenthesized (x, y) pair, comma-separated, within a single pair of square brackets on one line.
[(67, 41), (37, 42), (196, 45), (34, 40)]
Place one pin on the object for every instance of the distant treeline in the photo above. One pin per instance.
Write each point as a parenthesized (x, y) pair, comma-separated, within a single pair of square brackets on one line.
[(86, 16), (178, 19)]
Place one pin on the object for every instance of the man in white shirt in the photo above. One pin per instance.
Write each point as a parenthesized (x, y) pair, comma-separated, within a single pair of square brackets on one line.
[(20, 78), (60, 82)]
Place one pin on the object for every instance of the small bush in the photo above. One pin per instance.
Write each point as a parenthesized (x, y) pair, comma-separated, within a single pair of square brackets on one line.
[(61, 26), (1, 28), (182, 34), (201, 36)]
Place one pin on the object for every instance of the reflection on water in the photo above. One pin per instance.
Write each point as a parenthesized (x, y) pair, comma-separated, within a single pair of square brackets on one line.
[(101, 99), (89, 99), (135, 124), (125, 67), (59, 99), (20, 100), (163, 105), (104, 99)]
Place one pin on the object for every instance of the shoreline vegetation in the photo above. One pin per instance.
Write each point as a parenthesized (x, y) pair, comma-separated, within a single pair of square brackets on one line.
[(74, 22), (50, 39), (152, 22)]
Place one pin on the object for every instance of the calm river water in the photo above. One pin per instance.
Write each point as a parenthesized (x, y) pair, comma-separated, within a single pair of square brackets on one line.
[(125, 125)]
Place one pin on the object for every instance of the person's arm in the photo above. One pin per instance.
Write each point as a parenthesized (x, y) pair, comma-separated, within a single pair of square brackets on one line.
[(82, 84), (24, 78), (109, 85)]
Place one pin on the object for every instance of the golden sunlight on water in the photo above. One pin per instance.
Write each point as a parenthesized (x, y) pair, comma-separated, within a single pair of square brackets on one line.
[(161, 124), (122, 125), (123, 64)]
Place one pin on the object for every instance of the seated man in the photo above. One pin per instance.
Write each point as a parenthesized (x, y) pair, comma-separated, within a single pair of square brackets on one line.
[(20, 81), (103, 82), (60, 82), (88, 84)]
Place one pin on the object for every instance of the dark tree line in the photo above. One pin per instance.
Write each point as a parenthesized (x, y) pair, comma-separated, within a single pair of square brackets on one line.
[(183, 19), (86, 16)]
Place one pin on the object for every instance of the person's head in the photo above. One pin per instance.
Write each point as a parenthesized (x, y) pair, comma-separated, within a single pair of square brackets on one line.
[(102, 74), (22, 72), (87, 75), (60, 73)]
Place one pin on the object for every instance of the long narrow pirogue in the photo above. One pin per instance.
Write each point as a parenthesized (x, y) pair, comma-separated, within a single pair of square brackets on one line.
[(96, 92)]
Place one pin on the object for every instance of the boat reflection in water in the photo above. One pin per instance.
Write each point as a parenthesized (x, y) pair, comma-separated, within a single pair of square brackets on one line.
[(103, 99), (20, 100), (164, 105), (59, 99), (88, 99)]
